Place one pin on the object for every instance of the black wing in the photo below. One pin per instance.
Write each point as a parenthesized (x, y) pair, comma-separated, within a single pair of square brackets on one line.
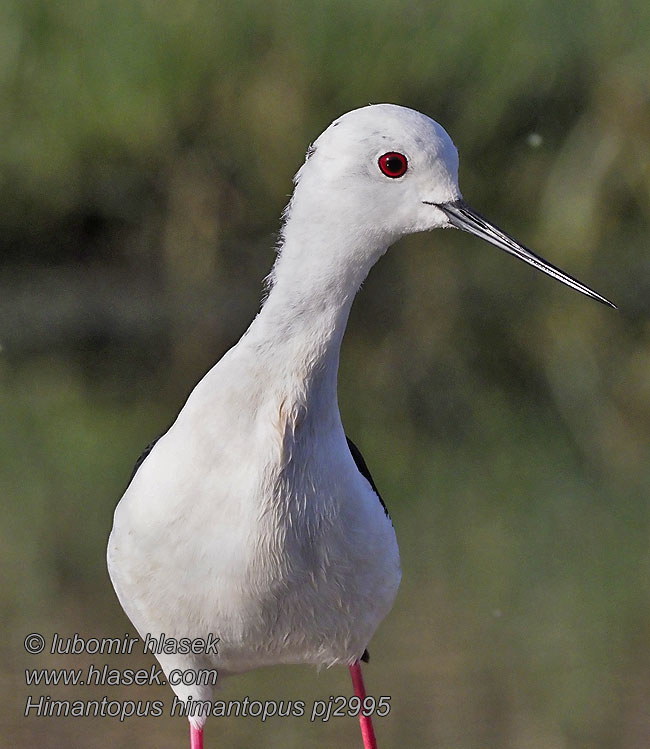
[(363, 470), (142, 458)]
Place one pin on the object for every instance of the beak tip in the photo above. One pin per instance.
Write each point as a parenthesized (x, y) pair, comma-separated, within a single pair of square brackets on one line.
[(461, 216)]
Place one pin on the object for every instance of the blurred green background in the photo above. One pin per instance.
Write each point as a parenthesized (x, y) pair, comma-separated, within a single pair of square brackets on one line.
[(146, 152)]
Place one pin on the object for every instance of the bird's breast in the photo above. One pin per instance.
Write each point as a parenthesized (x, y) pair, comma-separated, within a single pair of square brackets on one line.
[(284, 554)]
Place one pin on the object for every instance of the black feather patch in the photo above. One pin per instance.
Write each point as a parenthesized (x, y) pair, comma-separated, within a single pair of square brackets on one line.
[(142, 458), (363, 470)]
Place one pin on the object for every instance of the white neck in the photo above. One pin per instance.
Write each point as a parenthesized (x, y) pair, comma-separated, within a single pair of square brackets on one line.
[(299, 330)]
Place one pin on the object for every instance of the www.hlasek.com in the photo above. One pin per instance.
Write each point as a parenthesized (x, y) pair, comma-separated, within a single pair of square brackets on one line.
[(103, 674)]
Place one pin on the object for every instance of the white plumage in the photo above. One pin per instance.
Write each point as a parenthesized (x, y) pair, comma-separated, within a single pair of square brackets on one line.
[(249, 519)]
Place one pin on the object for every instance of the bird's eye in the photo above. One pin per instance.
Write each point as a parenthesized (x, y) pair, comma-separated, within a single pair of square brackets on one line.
[(393, 164)]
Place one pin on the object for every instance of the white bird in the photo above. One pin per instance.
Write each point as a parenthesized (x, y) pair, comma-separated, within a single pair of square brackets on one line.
[(253, 518)]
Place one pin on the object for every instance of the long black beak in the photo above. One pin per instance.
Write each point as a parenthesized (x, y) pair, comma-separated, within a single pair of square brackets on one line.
[(463, 217)]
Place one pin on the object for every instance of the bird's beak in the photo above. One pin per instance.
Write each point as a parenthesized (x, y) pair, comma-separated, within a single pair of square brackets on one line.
[(463, 217)]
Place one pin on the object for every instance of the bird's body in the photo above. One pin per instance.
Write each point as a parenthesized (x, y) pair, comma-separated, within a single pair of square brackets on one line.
[(250, 519)]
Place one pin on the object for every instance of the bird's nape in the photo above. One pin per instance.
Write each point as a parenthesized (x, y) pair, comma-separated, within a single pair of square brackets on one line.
[(461, 216)]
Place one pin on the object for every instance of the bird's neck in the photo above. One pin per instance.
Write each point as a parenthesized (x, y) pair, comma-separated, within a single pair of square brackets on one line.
[(298, 332)]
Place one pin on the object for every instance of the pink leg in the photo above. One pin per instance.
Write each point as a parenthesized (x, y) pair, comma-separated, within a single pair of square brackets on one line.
[(367, 731), (196, 737)]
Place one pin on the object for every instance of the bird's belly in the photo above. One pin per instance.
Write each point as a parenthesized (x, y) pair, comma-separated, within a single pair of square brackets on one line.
[(321, 610), (294, 588)]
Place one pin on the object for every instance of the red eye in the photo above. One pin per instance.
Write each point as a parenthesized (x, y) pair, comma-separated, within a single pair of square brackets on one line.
[(393, 164)]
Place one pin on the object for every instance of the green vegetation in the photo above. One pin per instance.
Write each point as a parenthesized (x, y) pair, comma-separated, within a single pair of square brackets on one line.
[(147, 152)]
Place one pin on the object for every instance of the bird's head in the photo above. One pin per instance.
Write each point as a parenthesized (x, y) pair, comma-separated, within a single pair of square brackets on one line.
[(384, 171)]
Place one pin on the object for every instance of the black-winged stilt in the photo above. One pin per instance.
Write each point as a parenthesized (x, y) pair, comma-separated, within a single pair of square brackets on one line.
[(254, 519)]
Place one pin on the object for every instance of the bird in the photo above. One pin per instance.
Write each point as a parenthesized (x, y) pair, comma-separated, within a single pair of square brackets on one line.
[(254, 519)]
